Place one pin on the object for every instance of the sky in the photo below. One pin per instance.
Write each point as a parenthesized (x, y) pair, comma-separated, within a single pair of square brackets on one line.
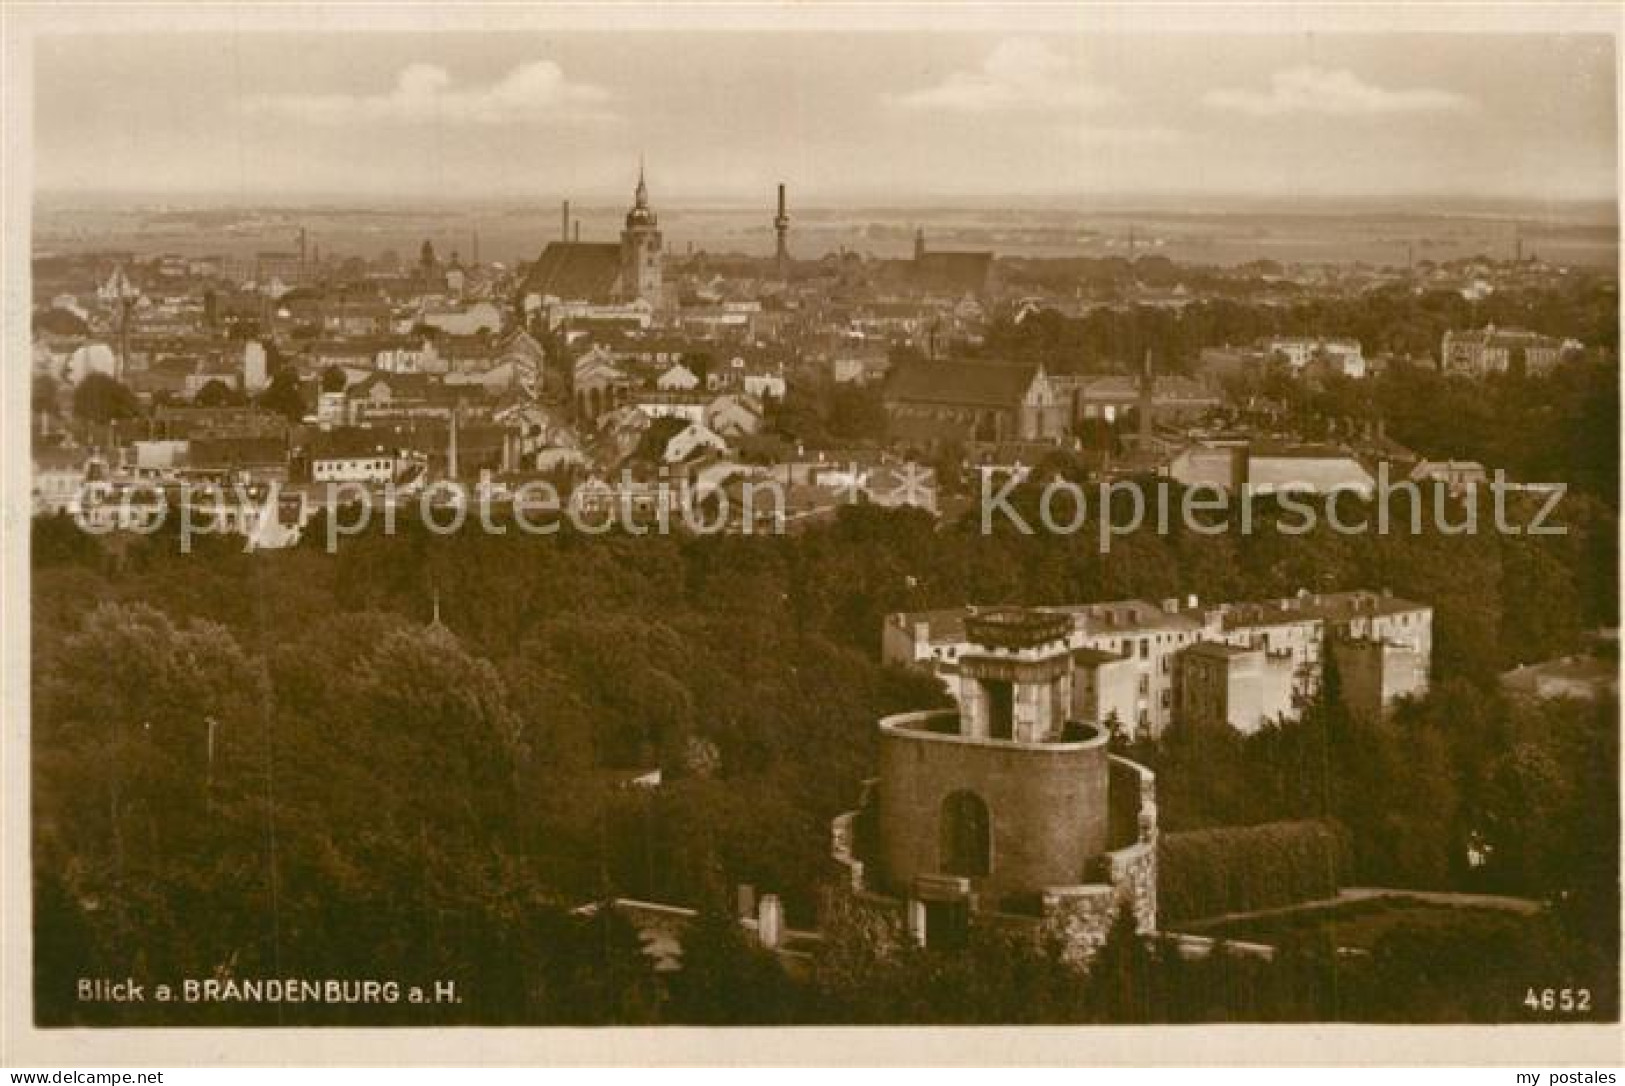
[(872, 116)]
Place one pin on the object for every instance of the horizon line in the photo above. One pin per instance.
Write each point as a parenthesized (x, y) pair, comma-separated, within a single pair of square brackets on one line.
[(736, 198)]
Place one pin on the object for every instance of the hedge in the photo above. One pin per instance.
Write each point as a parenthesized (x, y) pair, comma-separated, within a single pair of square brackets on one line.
[(1205, 873)]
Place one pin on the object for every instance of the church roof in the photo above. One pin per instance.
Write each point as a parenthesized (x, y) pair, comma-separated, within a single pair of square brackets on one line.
[(975, 384), (953, 272), (575, 271)]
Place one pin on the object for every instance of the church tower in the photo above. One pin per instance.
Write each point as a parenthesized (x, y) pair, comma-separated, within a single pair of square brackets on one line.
[(640, 249)]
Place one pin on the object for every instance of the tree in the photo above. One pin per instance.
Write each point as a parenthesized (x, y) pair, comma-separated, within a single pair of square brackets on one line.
[(856, 414), (595, 972), (284, 396), (101, 399), (149, 754), (652, 447), (725, 980), (334, 380), (217, 393)]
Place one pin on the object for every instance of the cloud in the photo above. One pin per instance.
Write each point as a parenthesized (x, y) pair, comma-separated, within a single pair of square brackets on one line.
[(537, 91), (1331, 92), (1019, 74)]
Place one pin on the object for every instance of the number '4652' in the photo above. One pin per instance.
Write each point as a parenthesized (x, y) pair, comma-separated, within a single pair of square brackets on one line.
[(1558, 1000)]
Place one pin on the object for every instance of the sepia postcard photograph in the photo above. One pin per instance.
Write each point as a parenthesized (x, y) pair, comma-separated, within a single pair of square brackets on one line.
[(529, 530)]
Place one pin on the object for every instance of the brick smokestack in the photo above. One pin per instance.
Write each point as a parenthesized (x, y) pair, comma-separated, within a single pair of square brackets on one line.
[(781, 227)]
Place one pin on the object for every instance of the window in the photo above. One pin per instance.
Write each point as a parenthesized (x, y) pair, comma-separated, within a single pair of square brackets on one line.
[(1145, 648), (964, 836)]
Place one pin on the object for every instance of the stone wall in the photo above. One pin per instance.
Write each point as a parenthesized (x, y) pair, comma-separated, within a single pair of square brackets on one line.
[(1081, 917), (852, 837)]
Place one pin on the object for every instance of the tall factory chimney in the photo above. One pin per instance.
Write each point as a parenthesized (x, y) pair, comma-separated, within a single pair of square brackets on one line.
[(781, 227), (565, 234)]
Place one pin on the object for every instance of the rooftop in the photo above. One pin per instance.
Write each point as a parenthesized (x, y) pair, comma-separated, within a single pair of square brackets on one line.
[(988, 384), (575, 271), (1220, 649), (1325, 607)]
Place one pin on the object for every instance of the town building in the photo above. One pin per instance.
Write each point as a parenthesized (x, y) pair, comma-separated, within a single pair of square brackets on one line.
[(1457, 476), (932, 402), (1270, 467), (1110, 397), (352, 456), (1502, 350), (1579, 677), (953, 274), (1141, 666), (1339, 356), (60, 474)]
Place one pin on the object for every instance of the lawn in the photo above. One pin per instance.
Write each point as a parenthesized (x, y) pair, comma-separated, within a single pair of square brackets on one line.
[(1354, 925)]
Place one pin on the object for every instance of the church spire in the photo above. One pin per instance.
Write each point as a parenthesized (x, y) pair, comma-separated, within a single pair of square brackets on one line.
[(641, 214)]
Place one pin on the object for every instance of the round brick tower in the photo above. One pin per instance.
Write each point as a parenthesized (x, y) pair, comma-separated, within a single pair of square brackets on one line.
[(1003, 798)]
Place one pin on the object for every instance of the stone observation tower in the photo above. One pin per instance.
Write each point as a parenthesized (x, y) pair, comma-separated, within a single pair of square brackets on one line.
[(1007, 806), (640, 249)]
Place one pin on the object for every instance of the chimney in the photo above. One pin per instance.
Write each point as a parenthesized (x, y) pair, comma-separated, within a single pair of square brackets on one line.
[(1240, 467), (781, 199), (578, 231), (1148, 398), (565, 236), (770, 921), (451, 447)]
